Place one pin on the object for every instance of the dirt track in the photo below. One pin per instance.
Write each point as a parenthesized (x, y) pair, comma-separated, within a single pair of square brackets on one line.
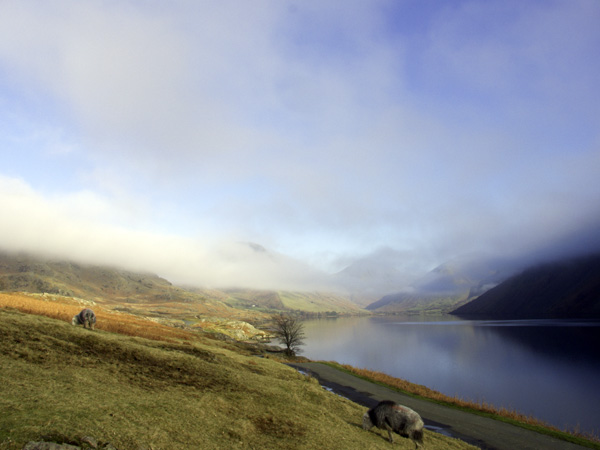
[(480, 431)]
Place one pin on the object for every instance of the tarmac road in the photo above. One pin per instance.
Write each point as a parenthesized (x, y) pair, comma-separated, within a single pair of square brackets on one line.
[(485, 433)]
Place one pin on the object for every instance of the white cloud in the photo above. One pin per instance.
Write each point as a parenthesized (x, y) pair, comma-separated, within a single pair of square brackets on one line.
[(79, 226)]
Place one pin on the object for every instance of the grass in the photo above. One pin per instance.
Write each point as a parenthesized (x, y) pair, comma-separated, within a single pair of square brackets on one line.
[(316, 302), (142, 385), (511, 416), (414, 304), (65, 308)]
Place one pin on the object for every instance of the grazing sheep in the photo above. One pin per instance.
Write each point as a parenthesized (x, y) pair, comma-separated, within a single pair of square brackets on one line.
[(86, 317), (397, 418)]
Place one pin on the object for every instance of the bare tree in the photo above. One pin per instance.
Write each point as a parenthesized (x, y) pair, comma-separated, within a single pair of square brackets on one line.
[(290, 331)]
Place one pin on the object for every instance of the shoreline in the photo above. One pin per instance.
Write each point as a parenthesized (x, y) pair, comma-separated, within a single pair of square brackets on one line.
[(482, 430), (515, 369)]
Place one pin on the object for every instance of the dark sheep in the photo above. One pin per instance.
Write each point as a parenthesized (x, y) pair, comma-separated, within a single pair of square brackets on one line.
[(390, 416), (86, 317)]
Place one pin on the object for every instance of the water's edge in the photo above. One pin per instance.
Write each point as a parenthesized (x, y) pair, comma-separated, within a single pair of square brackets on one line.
[(539, 368)]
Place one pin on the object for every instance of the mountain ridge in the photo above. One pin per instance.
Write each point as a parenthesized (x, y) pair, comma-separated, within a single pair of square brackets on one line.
[(567, 288), (446, 287), (30, 273)]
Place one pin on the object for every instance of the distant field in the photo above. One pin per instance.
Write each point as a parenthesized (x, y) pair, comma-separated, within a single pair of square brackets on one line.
[(317, 303)]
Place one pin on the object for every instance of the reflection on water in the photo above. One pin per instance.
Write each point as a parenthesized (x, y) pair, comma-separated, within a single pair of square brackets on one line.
[(547, 368)]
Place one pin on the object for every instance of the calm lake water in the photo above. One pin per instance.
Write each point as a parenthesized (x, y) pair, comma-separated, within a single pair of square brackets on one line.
[(546, 368)]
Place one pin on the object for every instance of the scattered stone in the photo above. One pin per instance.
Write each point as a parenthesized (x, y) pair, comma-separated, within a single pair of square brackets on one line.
[(108, 447), (87, 442), (49, 446), (274, 349), (235, 329), (93, 443)]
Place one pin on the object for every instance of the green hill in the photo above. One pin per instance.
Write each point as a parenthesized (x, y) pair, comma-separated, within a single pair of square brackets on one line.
[(62, 383), (33, 274), (307, 302), (148, 293), (409, 303)]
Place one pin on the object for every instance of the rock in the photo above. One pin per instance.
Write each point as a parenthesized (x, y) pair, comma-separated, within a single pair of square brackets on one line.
[(93, 443), (88, 442), (235, 329), (49, 446)]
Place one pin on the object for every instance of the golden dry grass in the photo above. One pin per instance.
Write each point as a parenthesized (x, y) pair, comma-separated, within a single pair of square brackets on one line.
[(64, 308)]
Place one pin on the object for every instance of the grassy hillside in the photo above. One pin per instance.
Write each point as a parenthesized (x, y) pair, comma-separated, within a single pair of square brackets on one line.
[(254, 299), (98, 283), (404, 303), (309, 302), (150, 295), (173, 389), (317, 302)]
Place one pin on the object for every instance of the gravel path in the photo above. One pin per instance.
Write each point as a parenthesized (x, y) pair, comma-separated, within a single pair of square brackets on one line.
[(480, 431)]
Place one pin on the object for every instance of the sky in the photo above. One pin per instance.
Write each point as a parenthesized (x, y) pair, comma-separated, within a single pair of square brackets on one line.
[(271, 143)]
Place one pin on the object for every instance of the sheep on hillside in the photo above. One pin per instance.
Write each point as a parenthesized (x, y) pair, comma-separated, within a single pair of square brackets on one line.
[(86, 317), (397, 418)]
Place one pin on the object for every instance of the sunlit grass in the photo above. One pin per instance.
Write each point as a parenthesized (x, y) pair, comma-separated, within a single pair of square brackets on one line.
[(175, 391), (316, 303), (64, 308)]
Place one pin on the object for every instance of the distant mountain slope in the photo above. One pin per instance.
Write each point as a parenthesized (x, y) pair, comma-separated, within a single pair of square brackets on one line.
[(372, 276), (244, 298), (311, 302), (31, 274), (446, 287), (411, 303), (317, 302), (134, 290), (561, 289)]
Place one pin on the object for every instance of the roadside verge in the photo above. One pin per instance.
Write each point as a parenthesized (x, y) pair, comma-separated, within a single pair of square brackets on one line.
[(483, 432)]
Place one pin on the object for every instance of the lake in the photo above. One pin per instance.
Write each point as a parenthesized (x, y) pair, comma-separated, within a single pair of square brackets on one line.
[(549, 369)]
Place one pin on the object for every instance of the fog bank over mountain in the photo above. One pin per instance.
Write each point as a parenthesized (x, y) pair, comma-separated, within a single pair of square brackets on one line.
[(81, 229), (372, 140)]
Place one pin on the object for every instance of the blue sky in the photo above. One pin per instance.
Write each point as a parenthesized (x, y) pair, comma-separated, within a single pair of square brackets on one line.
[(164, 136)]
